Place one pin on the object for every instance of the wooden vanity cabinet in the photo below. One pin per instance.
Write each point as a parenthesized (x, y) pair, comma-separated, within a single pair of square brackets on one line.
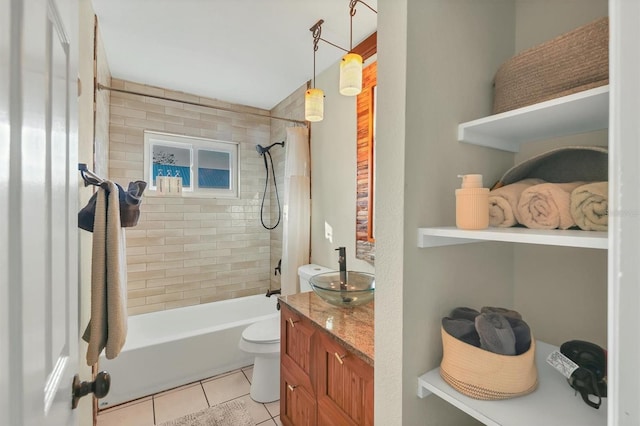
[(344, 385), (297, 394), (321, 383)]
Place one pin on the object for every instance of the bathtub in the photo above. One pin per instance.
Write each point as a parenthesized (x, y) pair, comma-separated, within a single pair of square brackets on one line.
[(171, 348)]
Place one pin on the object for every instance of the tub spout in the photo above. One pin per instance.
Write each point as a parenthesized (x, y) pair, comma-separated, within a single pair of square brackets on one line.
[(272, 292)]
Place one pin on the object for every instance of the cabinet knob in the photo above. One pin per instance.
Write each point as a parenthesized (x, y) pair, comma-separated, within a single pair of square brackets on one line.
[(292, 387), (340, 357), (292, 322)]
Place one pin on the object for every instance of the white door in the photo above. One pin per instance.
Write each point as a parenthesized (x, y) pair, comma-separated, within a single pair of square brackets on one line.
[(38, 206)]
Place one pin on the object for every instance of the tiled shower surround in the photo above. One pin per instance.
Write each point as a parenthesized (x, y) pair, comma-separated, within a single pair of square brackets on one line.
[(187, 250)]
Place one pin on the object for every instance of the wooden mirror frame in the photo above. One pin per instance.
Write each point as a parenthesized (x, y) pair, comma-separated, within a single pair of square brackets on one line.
[(365, 240)]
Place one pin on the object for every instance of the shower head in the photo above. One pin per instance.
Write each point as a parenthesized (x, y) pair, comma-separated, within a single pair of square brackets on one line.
[(261, 149)]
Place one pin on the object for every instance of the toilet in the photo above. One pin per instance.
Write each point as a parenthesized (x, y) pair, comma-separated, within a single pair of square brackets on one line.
[(262, 340)]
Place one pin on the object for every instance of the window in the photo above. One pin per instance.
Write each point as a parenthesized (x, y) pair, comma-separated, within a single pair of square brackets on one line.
[(208, 168)]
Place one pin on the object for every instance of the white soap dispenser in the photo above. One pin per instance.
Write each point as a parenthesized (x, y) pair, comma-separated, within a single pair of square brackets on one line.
[(472, 203)]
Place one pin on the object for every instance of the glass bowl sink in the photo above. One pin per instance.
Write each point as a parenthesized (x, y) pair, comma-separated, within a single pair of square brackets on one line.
[(358, 289)]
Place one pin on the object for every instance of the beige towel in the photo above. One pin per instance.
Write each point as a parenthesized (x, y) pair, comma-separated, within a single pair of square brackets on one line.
[(547, 206), (503, 202), (590, 206), (108, 325)]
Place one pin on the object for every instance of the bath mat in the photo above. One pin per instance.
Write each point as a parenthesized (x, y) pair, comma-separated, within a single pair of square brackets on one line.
[(232, 413)]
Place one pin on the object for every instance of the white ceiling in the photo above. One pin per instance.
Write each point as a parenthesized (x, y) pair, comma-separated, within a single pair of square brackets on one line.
[(249, 52)]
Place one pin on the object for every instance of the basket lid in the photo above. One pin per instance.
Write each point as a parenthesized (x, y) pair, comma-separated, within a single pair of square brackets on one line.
[(561, 165)]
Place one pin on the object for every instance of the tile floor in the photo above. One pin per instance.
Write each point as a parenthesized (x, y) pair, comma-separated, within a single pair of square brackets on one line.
[(171, 404)]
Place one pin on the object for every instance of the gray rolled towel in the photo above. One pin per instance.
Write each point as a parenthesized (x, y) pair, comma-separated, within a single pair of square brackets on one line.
[(502, 311), (523, 334), (462, 329), (464, 313), (496, 334)]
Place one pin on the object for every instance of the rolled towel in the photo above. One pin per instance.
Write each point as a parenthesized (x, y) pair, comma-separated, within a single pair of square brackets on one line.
[(496, 334), (522, 333), (547, 206), (503, 202), (462, 329), (464, 313), (509, 313), (590, 206)]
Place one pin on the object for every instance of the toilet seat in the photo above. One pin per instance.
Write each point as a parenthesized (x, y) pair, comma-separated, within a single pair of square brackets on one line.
[(265, 331)]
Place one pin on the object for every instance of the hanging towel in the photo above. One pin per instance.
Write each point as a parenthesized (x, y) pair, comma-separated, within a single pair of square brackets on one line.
[(590, 206), (503, 202), (108, 324), (547, 206)]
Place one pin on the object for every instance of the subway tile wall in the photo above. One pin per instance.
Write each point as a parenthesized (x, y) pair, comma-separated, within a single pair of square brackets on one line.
[(186, 251)]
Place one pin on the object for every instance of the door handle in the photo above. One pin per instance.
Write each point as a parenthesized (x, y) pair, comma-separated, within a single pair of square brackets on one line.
[(99, 387)]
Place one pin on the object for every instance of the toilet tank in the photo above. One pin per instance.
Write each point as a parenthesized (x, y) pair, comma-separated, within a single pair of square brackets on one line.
[(305, 272)]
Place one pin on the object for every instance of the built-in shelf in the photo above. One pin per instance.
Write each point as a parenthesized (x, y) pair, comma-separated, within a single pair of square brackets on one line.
[(552, 403), (577, 113), (450, 235)]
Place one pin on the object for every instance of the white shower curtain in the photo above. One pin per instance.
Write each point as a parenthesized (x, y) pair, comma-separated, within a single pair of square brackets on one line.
[(296, 212)]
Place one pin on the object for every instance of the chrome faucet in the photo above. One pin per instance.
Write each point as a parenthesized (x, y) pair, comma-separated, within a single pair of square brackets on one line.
[(342, 261)]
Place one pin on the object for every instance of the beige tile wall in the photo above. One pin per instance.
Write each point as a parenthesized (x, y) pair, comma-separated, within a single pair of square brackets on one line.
[(186, 251), (291, 107)]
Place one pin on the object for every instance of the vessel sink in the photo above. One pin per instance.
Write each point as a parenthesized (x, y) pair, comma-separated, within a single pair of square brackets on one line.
[(358, 289)]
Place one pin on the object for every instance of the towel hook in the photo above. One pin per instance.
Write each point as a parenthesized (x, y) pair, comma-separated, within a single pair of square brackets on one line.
[(88, 176)]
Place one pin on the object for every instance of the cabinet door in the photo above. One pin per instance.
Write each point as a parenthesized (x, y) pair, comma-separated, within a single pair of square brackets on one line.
[(297, 405), (344, 387), (296, 334)]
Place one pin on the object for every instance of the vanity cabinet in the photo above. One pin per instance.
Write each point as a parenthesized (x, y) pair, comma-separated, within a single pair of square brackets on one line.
[(322, 382), (297, 396)]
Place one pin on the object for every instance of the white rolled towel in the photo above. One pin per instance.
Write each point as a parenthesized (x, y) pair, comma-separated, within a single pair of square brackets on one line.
[(503, 202), (590, 206)]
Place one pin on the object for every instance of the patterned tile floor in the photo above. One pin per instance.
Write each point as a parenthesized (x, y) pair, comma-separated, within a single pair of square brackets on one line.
[(171, 404)]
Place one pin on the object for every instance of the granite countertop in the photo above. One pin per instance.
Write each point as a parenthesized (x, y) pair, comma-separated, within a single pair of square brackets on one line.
[(351, 327)]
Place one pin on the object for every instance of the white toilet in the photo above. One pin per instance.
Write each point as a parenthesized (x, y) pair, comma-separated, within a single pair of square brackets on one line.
[(262, 340)]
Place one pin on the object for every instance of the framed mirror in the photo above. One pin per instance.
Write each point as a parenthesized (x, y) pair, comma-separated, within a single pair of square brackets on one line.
[(365, 185)]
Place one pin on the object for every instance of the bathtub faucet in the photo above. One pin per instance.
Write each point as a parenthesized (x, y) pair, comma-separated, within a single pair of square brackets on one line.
[(272, 292), (278, 269)]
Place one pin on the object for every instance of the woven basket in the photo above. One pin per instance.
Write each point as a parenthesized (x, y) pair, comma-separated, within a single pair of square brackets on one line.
[(485, 375), (570, 63)]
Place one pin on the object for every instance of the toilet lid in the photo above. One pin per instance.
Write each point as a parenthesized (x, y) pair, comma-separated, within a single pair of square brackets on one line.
[(265, 331)]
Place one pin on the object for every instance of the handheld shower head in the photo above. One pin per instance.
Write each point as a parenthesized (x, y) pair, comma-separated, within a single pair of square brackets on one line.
[(261, 149)]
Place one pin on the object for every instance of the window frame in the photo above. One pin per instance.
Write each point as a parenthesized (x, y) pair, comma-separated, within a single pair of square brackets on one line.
[(194, 145)]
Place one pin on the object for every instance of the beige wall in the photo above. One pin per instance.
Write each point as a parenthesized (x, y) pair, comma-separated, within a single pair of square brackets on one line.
[(577, 278), (333, 176), (189, 250), (453, 51)]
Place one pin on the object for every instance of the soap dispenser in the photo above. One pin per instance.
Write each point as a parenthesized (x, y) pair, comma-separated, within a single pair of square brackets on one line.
[(472, 203)]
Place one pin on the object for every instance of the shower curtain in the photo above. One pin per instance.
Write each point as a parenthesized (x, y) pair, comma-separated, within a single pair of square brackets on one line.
[(296, 212)]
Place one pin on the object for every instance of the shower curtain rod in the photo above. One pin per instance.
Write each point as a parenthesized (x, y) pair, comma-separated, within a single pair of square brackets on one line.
[(131, 92)]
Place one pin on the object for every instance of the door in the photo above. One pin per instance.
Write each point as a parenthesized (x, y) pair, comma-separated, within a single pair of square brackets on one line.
[(38, 205)]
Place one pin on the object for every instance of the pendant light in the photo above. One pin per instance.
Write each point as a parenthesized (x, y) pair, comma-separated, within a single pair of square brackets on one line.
[(314, 98), (350, 69), (351, 64)]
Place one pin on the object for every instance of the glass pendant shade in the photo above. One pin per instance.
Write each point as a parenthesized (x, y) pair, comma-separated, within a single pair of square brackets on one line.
[(314, 105), (351, 74)]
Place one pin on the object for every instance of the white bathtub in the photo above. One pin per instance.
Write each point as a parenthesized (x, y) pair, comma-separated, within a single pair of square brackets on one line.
[(170, 348)]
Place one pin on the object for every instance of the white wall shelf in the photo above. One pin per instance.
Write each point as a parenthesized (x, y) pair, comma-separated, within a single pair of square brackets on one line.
[(450, 235), (552, 403), (577, 113)]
